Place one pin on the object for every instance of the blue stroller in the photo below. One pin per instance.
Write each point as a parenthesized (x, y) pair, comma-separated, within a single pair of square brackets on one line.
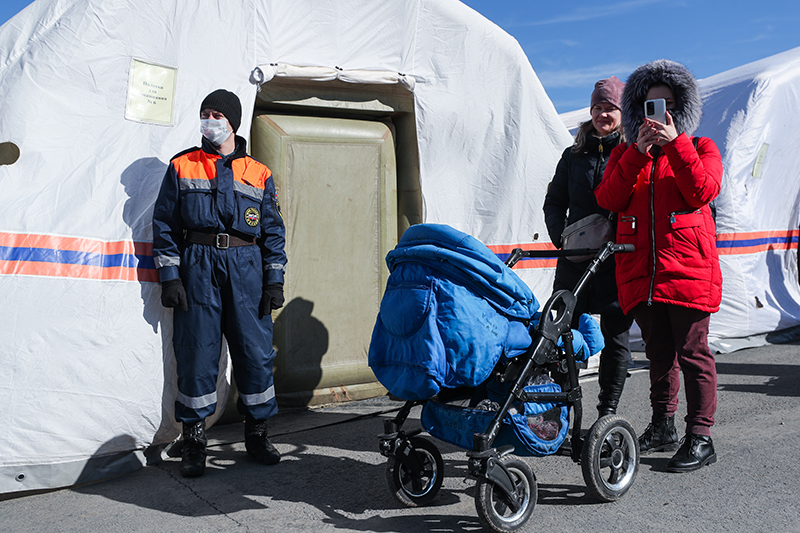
[(460, 334)]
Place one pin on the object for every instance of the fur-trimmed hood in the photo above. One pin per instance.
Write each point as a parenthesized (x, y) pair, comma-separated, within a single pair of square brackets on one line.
[(688, 103)]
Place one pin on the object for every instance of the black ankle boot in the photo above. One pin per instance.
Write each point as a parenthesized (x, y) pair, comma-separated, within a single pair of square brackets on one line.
[(695, 452), (193, 458), (256, 442), (660, 435)]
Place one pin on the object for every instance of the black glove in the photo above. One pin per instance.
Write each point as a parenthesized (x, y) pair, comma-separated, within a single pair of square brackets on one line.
[(174, 295), (271, 299)]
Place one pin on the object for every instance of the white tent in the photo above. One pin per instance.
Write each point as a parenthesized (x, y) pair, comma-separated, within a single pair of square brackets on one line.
[(751, 113), (95, 97), (573, 119)]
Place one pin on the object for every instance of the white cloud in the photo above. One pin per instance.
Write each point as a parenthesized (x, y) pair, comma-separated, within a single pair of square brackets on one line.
[(585, 77), (597, 10)]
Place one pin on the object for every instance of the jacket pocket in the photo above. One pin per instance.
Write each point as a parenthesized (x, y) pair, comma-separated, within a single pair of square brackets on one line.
[(197, 208), (631, 265), (248, 215), (626, 225), (406, 351), (404, 307), (685, 219), (685, 232)]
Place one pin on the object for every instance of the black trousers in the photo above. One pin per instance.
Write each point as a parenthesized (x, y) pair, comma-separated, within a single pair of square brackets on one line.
[(599, 297)]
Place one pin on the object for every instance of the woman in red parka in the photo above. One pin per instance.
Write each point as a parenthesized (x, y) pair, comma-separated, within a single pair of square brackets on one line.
[(661, 186)]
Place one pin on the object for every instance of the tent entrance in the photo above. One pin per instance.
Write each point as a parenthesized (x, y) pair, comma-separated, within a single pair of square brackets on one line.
[(344, 161)]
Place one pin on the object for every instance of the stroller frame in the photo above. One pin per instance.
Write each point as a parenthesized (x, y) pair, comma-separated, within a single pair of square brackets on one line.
[(506, 493)]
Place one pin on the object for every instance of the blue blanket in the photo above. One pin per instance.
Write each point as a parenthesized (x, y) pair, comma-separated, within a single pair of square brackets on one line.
[(450, 311)]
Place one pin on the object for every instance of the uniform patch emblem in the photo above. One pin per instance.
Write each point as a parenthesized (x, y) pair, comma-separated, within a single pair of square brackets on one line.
[(251, 216)]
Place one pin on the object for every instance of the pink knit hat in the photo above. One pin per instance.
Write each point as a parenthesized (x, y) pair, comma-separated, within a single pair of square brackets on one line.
[(608, 90)]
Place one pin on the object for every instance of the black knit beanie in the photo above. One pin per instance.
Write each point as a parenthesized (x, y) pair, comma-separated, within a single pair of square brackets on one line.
[(226, 103)]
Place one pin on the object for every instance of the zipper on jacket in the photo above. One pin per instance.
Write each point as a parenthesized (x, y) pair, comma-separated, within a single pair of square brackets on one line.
[(687, 212), (652, 227)]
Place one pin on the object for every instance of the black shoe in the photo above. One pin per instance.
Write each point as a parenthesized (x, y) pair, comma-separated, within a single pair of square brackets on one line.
[(660, 435), (193, 457), (696, 451), (257, 444)]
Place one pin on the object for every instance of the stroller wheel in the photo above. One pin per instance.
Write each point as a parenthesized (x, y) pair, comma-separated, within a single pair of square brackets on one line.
[(610, 458), (492, 505), (416, 487)]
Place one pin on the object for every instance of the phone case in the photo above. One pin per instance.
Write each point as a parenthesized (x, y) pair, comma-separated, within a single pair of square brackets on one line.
[(656, 110)]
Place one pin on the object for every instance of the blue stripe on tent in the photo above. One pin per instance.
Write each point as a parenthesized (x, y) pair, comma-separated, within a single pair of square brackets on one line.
[(47, 255), (743, 243)]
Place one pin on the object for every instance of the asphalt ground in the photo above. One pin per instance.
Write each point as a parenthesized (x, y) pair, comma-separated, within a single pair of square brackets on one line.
[(332, 477)]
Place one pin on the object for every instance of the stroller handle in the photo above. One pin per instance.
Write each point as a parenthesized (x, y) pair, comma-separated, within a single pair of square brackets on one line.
[(602, 253), (623, 248)]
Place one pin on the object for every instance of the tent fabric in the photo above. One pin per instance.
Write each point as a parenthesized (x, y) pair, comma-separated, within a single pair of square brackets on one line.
[(88, 368), (750, 112), (265, 73)]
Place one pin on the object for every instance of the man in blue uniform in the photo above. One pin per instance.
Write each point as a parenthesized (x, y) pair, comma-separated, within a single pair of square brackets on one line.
[(218, 244)]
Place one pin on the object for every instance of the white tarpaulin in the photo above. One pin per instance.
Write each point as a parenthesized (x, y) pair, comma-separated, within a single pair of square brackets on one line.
[(751, 112), (97, 96)]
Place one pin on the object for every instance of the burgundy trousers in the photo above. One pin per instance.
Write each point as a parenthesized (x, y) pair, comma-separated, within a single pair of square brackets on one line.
[(676, 339)]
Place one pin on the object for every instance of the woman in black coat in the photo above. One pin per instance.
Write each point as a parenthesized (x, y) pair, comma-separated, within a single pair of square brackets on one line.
[(570, 197)]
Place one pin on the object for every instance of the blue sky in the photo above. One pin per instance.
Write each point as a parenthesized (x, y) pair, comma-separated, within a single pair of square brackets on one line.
[(573, 44)]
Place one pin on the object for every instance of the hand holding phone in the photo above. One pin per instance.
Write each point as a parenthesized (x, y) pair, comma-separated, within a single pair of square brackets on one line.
[(656, 110)]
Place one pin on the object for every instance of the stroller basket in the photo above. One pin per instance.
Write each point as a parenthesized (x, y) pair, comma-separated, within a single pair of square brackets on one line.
[(534, 429)]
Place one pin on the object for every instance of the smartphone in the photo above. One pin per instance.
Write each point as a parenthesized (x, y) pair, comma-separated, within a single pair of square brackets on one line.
[(656, 110)]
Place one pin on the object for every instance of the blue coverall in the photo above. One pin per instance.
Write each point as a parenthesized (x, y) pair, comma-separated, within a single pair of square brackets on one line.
[(206, 193)]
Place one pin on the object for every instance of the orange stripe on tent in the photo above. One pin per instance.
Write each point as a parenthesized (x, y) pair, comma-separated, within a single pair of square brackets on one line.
[(504, 250), (61, 270), (507, 248), (755, 249), (538, 263), (748, 235), (22, 240)]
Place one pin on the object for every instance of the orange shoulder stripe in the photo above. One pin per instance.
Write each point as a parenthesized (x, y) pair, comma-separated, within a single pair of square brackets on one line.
[(250, 172), (196, 165)]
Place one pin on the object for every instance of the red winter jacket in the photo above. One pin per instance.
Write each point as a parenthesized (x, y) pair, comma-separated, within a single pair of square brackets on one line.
[(664, 212)]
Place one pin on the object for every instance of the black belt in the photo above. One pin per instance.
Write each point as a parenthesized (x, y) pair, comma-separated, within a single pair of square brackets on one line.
[(223, 241)]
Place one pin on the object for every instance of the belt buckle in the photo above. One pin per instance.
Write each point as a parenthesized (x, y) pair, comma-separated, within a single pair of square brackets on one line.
[(222, 241)]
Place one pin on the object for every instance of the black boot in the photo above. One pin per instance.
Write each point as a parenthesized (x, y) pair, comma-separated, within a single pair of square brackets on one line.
[(695, 452), (660, 435), (256, 442), (193, 458), (611, 378)]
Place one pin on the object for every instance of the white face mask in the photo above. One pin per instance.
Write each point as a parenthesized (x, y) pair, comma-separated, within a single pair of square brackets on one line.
[(216, 131)]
